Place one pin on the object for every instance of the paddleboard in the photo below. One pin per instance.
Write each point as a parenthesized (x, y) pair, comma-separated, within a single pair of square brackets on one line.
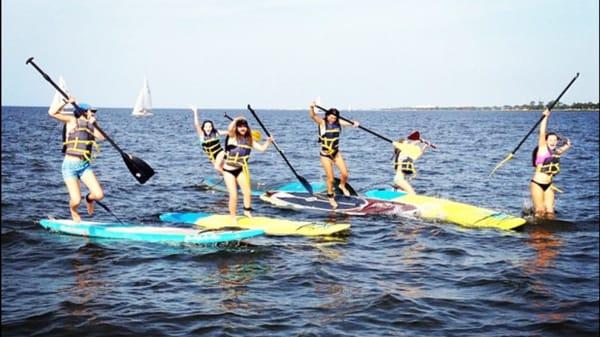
[(446, 210), (352, 205), (146, 233), (258, 188), (271, 226)]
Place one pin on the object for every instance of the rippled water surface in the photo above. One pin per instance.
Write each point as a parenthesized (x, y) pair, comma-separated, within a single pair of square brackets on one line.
[(390, 277)]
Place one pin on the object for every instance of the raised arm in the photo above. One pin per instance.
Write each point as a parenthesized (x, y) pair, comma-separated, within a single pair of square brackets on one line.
[(565, 147), (197, 123), (543, 126), (55, 110), (313, 114)]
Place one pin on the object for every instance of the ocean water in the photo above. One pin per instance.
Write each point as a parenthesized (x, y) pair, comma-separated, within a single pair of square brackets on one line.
[(391, 276)]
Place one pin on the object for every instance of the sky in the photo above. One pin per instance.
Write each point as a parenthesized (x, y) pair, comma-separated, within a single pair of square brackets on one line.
[(282, 54)]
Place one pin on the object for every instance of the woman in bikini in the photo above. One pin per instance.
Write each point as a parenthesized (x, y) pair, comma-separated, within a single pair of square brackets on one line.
[(330, 129), (210, 138), (234, 164), (546, 160)]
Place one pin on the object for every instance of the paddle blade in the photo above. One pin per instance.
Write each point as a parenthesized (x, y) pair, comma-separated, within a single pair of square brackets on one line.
[(306, 184), (139, 168), (509, 157), (336, 183), (414, 136)]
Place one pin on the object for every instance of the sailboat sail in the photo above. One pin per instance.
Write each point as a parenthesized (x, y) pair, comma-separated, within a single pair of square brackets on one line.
[(143, 104), (58, 97)]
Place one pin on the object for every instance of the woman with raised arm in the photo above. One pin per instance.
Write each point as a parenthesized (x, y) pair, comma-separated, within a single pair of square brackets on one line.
[(330, 129), (546, 160), (210, 138), (80, 148), (234, 164)]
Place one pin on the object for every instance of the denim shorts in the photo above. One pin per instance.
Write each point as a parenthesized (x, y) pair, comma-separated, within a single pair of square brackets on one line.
[(75, 168)]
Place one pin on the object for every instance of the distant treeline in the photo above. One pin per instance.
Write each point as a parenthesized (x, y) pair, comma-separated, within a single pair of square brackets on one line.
[(520, 107)]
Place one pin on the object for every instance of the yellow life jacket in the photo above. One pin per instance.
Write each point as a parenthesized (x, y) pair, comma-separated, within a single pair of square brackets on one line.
[(237, 155), (405, 157), (81, 140), (211, 145), (330, 138)]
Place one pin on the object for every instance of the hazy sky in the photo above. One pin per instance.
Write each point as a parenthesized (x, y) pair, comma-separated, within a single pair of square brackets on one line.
[(285, 53)]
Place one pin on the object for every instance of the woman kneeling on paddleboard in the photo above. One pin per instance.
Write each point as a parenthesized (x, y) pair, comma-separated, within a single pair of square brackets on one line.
[(546, 160), (79, 137), (209, 136), (330, 129), (234, 164), (406, 152)]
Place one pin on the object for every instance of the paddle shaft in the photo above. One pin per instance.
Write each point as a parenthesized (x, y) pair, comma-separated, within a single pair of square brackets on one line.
[(59, 89), (302, 180), (360, 126), (139, 168), (542, 118)]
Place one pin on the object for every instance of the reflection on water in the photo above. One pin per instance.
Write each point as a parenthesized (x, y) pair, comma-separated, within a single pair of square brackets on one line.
[(88, 266), (546, 245)]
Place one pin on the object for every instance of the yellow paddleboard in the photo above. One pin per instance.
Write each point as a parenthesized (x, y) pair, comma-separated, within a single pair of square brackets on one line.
[(271, 226), (446, 210)]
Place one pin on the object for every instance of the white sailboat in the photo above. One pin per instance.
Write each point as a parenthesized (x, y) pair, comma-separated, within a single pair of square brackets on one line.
[(143, 104), (58, 97)]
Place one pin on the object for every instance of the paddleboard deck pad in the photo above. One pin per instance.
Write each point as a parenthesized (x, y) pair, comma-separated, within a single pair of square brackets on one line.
[(147, 233), (352, 205), (271, 226), (450, 211)]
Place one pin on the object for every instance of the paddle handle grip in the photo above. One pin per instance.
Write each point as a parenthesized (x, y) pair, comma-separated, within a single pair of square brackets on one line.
[(360, 126)]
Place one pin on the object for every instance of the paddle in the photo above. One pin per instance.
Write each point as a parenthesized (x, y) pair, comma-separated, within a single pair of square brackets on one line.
[(106, 209), (413, 136), (510, 155), (336, 183), (139, 168), (302, 180), (256, 135), (360, 126)]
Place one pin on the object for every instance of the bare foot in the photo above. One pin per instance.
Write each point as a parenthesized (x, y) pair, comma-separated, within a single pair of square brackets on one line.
[(332, 202), (75, 216), (344, 190), (90, 206), (247, 212)]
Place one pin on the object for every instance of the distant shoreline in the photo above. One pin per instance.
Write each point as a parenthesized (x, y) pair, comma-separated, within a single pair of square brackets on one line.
[(396, 109)]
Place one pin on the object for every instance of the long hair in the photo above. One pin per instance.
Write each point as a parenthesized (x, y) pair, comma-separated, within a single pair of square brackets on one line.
[(233, 132)]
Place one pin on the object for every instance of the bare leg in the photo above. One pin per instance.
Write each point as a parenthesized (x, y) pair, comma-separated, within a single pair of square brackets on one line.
[(232, 189), (341, 165), (402, 183), (96, 192), (537, 198), (549, 203), (74, 197), (244, 182), (328, 167)]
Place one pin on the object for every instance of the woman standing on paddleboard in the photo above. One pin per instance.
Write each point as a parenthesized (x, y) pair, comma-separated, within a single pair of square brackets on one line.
[(330, 129), (546, 160), (406, 152), (234, 164), (79, 136), (210, 138)]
